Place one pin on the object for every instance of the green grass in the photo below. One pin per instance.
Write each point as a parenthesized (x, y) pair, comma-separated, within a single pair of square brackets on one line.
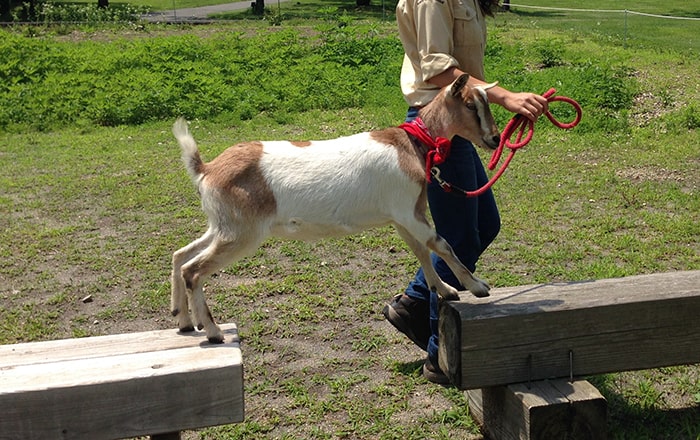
[(96, 206), (616, 28)]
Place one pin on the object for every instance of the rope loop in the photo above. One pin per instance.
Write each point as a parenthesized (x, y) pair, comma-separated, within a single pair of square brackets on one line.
[(517, 126)]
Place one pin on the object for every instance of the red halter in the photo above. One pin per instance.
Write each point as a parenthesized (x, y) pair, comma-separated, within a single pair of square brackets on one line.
[(438, 148)]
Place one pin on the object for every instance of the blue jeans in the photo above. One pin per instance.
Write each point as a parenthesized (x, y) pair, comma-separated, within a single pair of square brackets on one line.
[(469, 225)]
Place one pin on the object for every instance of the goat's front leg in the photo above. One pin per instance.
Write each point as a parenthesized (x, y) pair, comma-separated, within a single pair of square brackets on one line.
[(421, 238), (477, 287), (421, 251)]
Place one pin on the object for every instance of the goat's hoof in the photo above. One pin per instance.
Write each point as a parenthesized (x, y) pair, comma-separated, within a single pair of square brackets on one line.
[(187, 329), (480, 288), (218, 339), (449, 297), (175, 312), (200, 326), (481, 294), (482, 291)]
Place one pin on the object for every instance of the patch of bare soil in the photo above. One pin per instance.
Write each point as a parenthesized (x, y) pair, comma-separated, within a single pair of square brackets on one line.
[(660, 174)]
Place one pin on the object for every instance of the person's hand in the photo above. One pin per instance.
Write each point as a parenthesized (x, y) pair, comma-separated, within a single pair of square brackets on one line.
[(530, 105)]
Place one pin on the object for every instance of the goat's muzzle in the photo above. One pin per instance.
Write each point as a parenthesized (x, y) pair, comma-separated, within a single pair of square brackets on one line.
[(491, 141)]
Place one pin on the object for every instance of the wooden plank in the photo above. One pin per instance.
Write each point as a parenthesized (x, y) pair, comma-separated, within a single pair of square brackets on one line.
[(123, 389), (542, 410), (102, 346), (529, 333)]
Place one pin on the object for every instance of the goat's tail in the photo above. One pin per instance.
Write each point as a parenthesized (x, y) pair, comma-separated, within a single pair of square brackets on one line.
[(190, 152)]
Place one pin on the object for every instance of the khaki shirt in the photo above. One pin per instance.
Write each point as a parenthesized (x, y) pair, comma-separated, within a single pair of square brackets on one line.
[(437, 35)]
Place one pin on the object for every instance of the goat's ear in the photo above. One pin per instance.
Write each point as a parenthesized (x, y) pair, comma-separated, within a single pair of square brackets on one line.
[(459, 84)]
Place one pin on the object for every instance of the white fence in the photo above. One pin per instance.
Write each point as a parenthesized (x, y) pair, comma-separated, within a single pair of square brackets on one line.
[(623, 22)]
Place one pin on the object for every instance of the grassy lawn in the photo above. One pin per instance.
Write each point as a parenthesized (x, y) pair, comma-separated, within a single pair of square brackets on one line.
[(618, 27), (94, 198)]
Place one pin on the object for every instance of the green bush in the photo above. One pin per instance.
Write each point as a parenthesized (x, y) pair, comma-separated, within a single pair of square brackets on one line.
[(46, 83), (50, 12)]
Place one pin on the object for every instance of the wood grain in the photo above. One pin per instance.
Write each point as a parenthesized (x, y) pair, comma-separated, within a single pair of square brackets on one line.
[(536, 332), (119, 386)]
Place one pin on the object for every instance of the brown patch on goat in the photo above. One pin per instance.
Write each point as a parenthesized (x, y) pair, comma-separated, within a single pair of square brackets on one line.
[(407, 152), (300, 143), (236, 173)]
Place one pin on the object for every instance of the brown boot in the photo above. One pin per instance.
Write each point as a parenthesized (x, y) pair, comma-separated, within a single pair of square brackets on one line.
[(433, 373), (411, 317)]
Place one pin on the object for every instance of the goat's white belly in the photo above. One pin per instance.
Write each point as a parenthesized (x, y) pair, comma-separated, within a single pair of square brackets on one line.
[(336, 187)]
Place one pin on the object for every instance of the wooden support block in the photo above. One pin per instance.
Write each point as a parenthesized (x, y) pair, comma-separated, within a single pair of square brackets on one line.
[(117, 386), (543, 410), (529, 333)]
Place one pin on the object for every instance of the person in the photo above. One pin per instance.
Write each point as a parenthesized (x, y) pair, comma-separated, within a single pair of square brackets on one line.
[(443, 39)]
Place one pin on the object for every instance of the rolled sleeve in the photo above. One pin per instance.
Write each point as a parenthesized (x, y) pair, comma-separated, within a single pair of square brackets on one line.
[(435, 63), (434, 42)]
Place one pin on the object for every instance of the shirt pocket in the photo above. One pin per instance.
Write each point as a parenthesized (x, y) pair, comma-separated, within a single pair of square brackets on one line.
[(467, 29)]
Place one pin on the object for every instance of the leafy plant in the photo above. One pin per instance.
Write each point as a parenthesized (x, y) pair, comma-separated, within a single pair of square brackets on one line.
[(550, 52), (131, 82), (53, 12)]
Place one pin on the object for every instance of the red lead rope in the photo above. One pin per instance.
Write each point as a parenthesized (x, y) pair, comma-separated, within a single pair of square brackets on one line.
[(438, 151)]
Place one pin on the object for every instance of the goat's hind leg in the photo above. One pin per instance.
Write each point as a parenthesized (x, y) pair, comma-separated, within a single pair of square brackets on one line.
[(178, 294), (217, 255)]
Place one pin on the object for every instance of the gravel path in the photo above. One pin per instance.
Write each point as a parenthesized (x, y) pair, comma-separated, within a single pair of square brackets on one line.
[(197, 14)]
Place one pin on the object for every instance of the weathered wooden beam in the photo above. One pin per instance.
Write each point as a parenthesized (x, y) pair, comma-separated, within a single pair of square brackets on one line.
[(542, 410), (118, 386), (529, 333)]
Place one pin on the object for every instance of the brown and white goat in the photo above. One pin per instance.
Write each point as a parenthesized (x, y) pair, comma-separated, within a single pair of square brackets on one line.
[(318, 189)]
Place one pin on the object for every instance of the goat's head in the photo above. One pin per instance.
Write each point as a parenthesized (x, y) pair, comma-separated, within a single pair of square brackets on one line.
[(468, 115)]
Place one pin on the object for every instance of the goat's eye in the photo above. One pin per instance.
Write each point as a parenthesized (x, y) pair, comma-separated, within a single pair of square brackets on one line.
[(471, 106)]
